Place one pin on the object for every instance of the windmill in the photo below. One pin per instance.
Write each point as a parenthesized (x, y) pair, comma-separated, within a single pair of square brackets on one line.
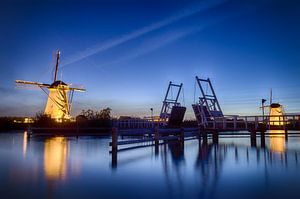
[(60, 95), (276, 111)]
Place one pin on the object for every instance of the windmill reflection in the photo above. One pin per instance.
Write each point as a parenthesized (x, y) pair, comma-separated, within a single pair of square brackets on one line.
[(277, 142), (55, 158), (25, 141)]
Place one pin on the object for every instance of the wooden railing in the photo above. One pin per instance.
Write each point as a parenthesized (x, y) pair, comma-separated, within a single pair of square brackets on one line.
[(229, 122), (253, 122), (136, 124)]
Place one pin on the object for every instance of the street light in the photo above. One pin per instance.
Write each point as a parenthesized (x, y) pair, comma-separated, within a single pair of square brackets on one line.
[(263, 108), (151, 109)]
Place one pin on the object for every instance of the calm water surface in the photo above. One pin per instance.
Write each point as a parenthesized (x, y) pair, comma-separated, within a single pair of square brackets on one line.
[(60, 167)]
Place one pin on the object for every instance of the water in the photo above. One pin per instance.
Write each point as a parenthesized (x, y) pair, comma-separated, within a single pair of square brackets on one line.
[(82, 168)]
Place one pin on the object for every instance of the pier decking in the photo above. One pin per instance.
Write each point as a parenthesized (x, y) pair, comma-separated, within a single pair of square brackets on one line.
[(229, 125)]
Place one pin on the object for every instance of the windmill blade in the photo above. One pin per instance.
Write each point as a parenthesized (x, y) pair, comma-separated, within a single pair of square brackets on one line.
[(77, 89), (27, 87), (32, 83)]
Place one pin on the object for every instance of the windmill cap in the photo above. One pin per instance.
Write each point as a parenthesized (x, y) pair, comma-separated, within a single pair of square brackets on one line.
[(275, 105), (58, 83)]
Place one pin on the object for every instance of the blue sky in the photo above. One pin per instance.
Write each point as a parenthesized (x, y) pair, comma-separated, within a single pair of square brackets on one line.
[(126, 52)]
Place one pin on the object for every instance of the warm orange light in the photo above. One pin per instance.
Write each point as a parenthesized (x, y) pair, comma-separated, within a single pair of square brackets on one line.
[(276, 115), (57, 106), (24, 143), (277, 142), (55, 154), (26, 120)]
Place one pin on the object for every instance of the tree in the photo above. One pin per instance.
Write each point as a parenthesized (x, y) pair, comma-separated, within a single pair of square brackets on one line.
[(103, 114)]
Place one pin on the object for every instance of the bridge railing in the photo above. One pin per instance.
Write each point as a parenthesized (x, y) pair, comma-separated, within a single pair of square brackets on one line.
[(253, 122), (229, 122), (136, 124)]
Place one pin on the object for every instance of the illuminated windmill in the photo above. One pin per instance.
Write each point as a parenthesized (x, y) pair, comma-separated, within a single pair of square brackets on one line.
[(276, 112), (60, 95), (276, 109)]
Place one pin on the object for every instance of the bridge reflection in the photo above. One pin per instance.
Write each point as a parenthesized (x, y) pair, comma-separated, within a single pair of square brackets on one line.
[(210, 160)]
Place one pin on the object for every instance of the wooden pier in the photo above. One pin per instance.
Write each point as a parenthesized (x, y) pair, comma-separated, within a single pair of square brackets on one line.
[(252, 126)]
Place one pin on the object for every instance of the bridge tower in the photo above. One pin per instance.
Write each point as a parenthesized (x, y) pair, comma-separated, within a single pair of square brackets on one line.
[(208, 107), (171, 110)]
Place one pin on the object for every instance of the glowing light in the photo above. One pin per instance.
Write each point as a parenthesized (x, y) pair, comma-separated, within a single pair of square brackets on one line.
[(57, 106), (55, 154), (24, 144), (276, 115), (26, 120), (277, 142)]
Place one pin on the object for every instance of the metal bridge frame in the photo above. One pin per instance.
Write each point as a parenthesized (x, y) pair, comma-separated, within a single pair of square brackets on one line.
[(209, 101), (168, 102)]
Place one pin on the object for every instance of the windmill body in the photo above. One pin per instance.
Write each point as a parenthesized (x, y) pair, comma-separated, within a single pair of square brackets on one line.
[(276, 114), (58, 104), (60, 95)]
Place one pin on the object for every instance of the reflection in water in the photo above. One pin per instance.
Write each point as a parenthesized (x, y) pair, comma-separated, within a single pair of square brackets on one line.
[(24, 143), (214, 161), (55, 157), (197, 169), (209, 163), (173, 175), (177, 151), (277, 142)]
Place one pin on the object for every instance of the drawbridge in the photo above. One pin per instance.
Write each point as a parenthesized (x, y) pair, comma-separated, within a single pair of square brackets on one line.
[(207, 108), (172, 112)]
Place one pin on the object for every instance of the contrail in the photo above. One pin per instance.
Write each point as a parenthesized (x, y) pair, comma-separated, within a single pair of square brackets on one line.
[(165, 39), (203, 5), (150, 46)]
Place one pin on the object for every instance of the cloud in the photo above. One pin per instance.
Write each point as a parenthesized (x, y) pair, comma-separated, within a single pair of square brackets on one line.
[(192, 9)]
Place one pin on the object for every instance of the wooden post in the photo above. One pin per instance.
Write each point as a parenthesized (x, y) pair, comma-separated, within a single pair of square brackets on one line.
[(262, 139), (286, 134), (199, 134), (114, 137), (204, 136), (253, 138), (182, 136), (156, 136), (246, 122), (215, 136), (256, 123), (156, 141), (114, 147)]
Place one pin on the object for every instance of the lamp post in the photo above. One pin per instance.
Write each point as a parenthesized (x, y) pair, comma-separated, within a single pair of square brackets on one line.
[(263, 108), (151, 109)]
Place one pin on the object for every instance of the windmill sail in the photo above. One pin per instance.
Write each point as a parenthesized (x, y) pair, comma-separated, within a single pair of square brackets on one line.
[(20, 82)]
